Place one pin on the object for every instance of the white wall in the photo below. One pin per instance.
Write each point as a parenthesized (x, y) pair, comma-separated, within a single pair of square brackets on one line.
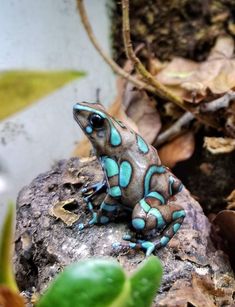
[(48, 35)]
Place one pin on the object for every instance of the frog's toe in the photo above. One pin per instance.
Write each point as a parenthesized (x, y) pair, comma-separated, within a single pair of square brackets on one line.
[(148, 246), (80, 226), (116, 245), (127, 237)]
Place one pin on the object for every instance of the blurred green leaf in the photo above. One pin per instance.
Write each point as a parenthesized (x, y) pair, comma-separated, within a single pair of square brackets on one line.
[(95, 283), (19, 88), (7, 277), (102, 283), (145, 283)]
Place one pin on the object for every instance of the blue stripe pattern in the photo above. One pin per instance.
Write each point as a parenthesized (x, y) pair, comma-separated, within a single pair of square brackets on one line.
[(154, 169)]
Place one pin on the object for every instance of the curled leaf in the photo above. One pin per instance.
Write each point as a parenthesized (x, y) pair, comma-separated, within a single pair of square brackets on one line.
[(226, 221), (59, 211), (180, 149), (219, 145)]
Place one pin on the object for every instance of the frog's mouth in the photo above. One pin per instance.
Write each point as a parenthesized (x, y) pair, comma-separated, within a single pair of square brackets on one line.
[(76, 119)]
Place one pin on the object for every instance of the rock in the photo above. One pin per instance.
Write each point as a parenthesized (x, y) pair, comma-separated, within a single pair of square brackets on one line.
[(47, 239)]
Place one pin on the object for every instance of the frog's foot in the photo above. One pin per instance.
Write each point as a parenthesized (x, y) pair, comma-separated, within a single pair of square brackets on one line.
[(90, 223), (147, 246), (90, 191)]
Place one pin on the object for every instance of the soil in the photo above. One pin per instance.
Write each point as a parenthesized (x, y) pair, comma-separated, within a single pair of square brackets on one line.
[(185, 28)]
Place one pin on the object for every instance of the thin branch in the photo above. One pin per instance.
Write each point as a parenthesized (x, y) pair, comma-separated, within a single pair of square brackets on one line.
[(160, 89), (219, 103), (116, 68), (174, 130)]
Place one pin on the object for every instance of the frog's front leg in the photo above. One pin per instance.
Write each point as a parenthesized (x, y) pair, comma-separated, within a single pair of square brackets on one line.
[(152, 213), (108, 211)]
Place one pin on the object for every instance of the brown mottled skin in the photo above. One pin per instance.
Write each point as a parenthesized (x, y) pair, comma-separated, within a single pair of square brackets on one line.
[(129, 187)]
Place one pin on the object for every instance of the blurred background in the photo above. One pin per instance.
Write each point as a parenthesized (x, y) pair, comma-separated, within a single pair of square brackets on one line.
[(47, 64)]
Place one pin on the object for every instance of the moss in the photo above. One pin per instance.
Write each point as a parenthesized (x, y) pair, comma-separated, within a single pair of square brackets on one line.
[(19, 88)]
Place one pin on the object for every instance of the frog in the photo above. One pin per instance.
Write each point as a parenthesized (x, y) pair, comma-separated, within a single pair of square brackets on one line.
[(135, 181)]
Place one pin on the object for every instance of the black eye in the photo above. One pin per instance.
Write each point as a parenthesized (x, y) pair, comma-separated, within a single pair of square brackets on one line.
[(96, 121)]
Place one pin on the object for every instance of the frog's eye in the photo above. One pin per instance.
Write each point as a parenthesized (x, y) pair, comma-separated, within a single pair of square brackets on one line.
[(96, 121)]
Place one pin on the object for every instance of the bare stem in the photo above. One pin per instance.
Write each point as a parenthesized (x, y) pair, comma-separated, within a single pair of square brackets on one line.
[(174, 130), (116, 68)]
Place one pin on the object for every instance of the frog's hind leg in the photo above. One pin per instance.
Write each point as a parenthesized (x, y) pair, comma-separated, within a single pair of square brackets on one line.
[(152, 213)]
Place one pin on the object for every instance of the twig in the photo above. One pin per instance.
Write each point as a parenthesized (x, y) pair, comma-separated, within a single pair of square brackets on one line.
[(116, 68), (219, 103), (174, 130), (160, 89)]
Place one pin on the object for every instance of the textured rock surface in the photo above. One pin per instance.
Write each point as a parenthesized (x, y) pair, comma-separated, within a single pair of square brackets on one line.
[(47, 239)]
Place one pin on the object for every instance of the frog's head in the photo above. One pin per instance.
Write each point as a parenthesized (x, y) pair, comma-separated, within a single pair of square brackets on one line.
[(101, 129)]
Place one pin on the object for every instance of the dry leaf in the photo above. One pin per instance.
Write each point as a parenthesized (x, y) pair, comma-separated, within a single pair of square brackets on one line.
[(226, 221), (187, 78), (219, 145), (201, 291), (142, 110), (179, 149), (68, 217), (231, 201)]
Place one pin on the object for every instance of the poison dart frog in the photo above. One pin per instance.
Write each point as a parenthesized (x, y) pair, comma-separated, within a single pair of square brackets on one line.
[(135, 180)]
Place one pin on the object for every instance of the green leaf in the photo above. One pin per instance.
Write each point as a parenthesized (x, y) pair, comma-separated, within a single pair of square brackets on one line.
[(7, 277), (102, 283), (145, 283), (20, 88), (89, 283)]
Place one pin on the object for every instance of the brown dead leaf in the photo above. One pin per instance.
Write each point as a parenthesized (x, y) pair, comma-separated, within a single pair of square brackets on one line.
[(226, 221), (187, 78), (179, 149), (231, 201), (142, 110), (9, 298), (68, 217), (201, 291), (219, 145)]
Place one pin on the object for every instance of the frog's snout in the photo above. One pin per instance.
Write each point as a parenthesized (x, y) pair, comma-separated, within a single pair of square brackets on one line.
[(76, 108)]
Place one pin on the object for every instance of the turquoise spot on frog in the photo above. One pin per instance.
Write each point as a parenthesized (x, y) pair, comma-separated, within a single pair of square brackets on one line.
[(104, 219), (160, 221), (89, 129), (138, 223), (108, 207), (115, 191), (164, 240), (157, 196), (149, 246), (144, 205), (178, 214), (176, 227), (125, 174), (111, 166), (115, 137), (153, 169), (143, 147)]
